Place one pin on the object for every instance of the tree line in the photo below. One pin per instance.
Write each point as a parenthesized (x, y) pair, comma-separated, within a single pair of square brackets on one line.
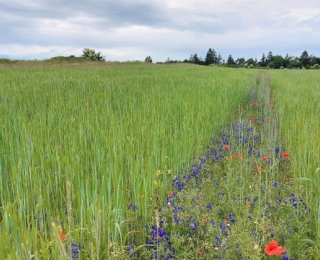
[(213, 58), (271, 61)]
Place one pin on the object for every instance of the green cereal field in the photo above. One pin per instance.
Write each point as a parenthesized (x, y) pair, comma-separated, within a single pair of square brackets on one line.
[(144, 161)]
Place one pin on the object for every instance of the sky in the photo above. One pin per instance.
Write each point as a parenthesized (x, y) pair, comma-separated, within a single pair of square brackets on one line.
[(125, 30)]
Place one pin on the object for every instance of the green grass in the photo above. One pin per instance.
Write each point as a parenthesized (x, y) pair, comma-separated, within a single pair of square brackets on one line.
[(298, 106), (78, 144), (83, 143)]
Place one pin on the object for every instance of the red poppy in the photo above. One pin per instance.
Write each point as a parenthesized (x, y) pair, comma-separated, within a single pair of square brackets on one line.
[(205, 219), (232, 157), (63, 236), (255, 103), (258, 168), (273, 249), (170, 193), (201, 253), (270, 105), (252, 119), (284, 155), (225, 221), (240, 155), (268, 121), (226, 147), (265, 158), (265, 229)]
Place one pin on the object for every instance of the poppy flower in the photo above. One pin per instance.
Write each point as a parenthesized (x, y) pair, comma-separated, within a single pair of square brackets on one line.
[(226, 147), (252, 119), (265, 229), (265, 158), (255, 103), (205, 219), (258, 168), (225, 221), (284, 155), (273, 249), (268, 121), (63, 236), (240, 155), (232, 157), (201, 253), (170, 193)]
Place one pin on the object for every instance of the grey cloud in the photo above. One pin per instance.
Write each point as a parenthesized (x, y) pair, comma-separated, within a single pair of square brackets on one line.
[(117, 13), (100, 24)]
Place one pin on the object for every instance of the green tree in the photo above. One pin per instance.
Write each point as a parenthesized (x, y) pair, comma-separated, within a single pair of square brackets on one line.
[(313, 60), (219, 59), (194, 59), (295, 63), (92, 54), (240, 62), (230, 60), (263, 60), (211, 57), (269, 58), (148, 59), (304, 58), (286, 60), (251, 61), (271, 65), (278, 61)]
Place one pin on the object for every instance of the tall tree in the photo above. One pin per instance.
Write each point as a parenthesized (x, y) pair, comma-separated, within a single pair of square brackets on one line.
[(219, 59), (230, 60), (304, 58), (194, 59), (263, 60), (211, 57), (269, 57)]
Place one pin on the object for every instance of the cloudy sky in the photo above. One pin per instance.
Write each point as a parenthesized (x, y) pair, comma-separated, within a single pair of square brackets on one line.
[(133, 29)]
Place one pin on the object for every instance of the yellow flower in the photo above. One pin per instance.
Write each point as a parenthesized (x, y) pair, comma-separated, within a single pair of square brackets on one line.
[(60, 229)]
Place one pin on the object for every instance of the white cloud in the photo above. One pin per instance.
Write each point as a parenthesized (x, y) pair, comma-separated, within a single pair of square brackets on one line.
[(128, 30)]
